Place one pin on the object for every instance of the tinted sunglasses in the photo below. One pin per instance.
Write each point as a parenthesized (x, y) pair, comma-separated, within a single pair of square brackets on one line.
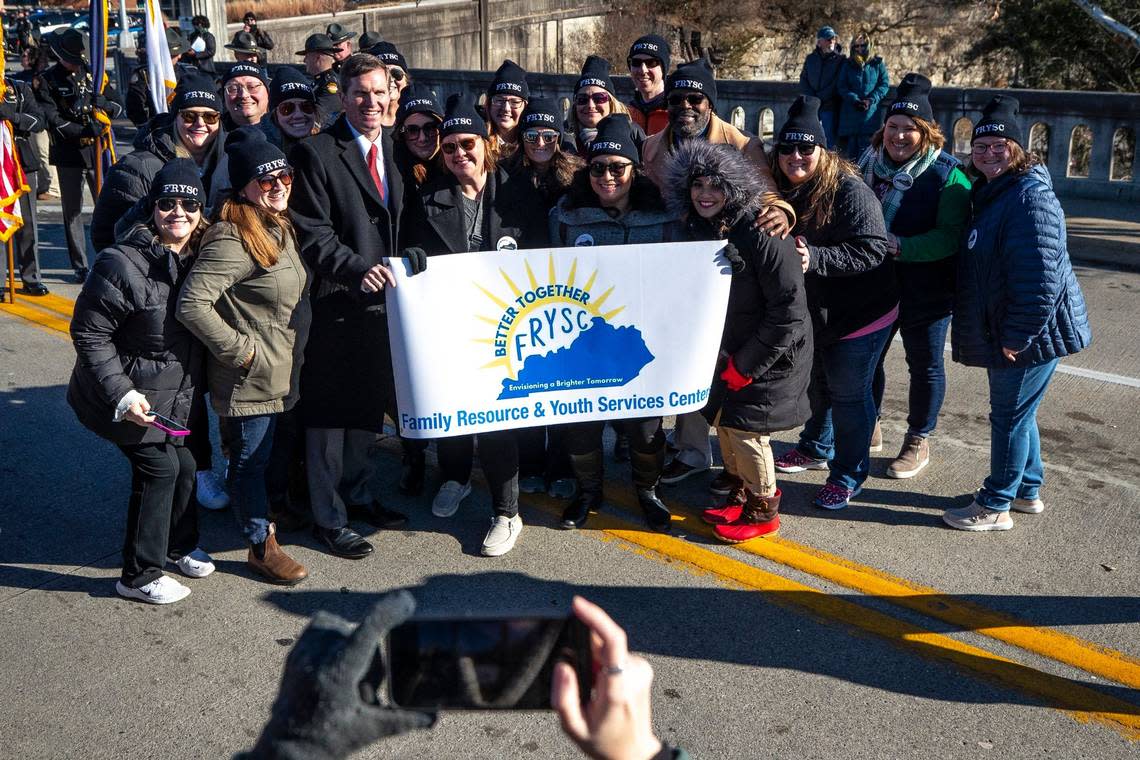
[(166, 205), (540, 136), (396, 73), (649, 63), (267, 182), (693, 99), (599, 98), (615, 169), (467, 143), (787, 149), (413, 131), (207, 117), (289, 107)]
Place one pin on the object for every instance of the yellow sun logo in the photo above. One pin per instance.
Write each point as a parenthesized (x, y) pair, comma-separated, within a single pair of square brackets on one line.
[(543, 318)]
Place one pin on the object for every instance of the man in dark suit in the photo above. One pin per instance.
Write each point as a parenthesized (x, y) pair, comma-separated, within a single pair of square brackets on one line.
[(346, 203)]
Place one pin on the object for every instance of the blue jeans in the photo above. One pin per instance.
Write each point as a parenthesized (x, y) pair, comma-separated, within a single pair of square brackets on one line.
[(829, 119), (1016, 469), (249, 441), (924, 344), (843, 407)]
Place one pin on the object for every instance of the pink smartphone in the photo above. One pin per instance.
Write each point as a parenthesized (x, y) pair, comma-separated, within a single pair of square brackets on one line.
[(169, 426)]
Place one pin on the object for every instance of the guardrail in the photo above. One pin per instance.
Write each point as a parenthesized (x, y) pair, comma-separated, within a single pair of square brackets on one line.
[(1087, 139)]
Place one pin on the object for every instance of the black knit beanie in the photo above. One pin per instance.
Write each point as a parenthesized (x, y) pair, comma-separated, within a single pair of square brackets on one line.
[(615, 138), (695, 75), (542, 112), (195, 91), (251, 156), (388, 54), (418, 98), (596, 72), (912, 98), (999, 119), (245, 70), (178, 178), (460, 117), (802, 124), (510, 79), (289, 84), (652, 45)]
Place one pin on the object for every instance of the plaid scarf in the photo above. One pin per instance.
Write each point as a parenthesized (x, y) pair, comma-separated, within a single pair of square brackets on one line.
[(874, 163)]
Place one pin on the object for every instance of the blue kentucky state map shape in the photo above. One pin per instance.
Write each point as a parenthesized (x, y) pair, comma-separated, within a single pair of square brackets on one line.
[(603, 356)]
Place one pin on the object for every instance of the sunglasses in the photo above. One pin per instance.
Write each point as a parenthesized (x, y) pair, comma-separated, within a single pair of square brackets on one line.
[(599, 98), (267, 182), (542, 137), (467, 143), (615, 169), (649, 63), (396, 73), (692, 99), (287, 108), (787, 149), (413, 131), (209, 118), (166, 205)]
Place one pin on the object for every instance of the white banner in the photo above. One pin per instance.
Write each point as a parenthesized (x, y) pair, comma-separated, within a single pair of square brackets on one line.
[(513, 339)]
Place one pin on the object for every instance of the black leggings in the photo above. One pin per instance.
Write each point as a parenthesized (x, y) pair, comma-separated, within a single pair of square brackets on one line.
[(499, 458), (645, 435), (162, 524)]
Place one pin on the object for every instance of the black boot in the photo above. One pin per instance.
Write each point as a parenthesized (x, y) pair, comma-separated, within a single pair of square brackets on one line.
[(412, 472), (621, 446), (589, 472), (647, 467)]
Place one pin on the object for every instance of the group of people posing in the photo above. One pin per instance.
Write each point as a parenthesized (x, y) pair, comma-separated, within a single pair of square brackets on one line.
[(247, 261)]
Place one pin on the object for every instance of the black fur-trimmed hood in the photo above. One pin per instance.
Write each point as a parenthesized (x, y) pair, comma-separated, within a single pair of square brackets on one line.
[(725, 164)]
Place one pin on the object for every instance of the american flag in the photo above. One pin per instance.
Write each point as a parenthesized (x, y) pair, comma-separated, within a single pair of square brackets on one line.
[(105, 142), (12, 183)]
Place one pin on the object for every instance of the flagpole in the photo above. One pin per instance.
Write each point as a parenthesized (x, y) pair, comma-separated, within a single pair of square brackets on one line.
[(11, 272)]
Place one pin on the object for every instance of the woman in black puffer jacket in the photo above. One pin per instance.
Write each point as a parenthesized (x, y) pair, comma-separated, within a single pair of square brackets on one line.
[(135, 361), (766, 346)]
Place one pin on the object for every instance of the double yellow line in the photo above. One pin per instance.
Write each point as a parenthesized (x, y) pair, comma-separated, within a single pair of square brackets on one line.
[(1084, 704), (51, 313)]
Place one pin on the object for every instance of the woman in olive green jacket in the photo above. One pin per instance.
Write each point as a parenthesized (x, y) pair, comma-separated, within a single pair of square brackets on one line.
[(247, 300)]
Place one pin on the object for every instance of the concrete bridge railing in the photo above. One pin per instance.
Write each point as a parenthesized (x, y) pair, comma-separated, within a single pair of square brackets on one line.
[(1088, 139)]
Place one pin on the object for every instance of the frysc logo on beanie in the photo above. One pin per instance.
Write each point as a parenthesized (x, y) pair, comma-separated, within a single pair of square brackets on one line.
[(650, 47), (605, 146), (799, 137), (270, 166), (200, 95), (688, 84), (177, 189), (904, 105), (419, 103), (983, 129), (534, 118), (291, 86), (592, 81), (458, 121), (508, 87)]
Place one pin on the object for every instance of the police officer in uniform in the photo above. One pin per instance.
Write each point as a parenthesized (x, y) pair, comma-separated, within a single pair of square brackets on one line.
[(67, 96), (20, 108), (342, 43), (246, 49), (320, 52), (140, 108)]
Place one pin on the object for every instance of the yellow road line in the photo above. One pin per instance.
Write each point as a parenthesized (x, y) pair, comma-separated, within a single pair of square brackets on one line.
[(1047, 642), (50, 302), (45, 319), (1080, 702)]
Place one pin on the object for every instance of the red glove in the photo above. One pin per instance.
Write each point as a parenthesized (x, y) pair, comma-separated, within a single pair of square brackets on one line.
[(732, 377)]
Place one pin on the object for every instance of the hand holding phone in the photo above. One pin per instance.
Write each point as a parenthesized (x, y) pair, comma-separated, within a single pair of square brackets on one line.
[(617, 721), (139, 413), (169, 426)]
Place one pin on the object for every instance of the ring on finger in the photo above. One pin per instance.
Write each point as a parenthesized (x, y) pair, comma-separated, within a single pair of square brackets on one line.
[(614, 670)]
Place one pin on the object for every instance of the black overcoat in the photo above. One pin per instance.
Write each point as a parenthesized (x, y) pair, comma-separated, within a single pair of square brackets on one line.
[(344, 229)]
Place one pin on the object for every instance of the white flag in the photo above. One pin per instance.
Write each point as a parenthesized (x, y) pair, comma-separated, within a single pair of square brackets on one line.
[(493, 341), (159, 69)]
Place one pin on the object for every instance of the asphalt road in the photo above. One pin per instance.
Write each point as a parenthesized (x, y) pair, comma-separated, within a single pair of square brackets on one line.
[(874, 632)]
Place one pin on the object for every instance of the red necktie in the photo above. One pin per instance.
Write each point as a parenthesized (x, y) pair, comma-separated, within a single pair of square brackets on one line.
[(375, 174)]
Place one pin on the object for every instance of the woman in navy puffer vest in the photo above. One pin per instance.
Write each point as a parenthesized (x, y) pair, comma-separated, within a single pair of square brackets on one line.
[(1018, 310)]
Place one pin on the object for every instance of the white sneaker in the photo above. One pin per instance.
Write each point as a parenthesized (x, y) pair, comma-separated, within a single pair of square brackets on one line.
[(196, 564), (446, 502), (164, 590), (502, 535), (1028, 506), (975, 517), (211, 492)]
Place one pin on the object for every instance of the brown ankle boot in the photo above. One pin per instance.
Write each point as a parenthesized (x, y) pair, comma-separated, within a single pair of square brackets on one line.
[(273, 563), (760, 517)]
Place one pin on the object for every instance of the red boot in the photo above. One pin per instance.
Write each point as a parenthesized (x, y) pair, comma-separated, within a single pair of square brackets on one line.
[(729, 511), (760, 516)]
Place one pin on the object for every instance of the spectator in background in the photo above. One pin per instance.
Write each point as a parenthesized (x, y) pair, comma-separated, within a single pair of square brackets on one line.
[(863, 83), (820, 78), (398, 76), (342, 42), (320, 55), (202, 46), (369, 40), (245, 49), (261, 38), (34, 60), (648, 62), (19, 108), (506, 98)]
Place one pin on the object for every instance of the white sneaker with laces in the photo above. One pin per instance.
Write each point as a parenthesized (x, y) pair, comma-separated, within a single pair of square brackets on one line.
[(1027, 506), (975, 517), (164, 590), (502, 535), (446, 502), (211, 493), (196, 564)]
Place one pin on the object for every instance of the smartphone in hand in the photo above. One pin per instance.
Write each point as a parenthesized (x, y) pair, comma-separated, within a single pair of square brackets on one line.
[(486, 663), (169, 426)]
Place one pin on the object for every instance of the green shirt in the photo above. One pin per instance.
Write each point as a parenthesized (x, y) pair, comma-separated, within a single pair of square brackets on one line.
[(953, 215)]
